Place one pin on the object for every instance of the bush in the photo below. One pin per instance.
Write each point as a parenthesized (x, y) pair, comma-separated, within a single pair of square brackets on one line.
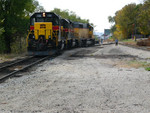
[(2, 41), (2, 44), (19, 45)]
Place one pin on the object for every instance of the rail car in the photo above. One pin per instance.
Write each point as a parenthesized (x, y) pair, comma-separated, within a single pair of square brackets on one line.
[(49, 33)]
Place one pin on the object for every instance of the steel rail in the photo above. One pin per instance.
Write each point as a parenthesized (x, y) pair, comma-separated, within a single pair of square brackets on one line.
[(14, 63), (22, 69)]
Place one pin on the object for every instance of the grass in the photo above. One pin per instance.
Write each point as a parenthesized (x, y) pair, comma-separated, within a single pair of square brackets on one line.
[(18, 49), (147, 69), (129, 42), (138, 64), (9, 57)]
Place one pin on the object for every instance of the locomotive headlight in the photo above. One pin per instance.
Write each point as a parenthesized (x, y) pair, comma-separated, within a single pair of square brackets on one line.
[(44, 15), (49, 36)]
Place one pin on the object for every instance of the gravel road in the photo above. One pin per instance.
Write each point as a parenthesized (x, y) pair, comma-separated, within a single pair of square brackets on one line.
[(84, 80)]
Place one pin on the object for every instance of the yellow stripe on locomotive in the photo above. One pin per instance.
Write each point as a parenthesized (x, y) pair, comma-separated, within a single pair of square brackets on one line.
[(43, 29)]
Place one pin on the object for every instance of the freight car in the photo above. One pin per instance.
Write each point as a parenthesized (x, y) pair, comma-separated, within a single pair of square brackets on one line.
[(49, 34)]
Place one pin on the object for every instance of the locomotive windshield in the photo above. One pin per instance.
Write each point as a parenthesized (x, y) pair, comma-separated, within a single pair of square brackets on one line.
[(55, 21), (80, 25), (43, 20), (85, 25), (76, 25), (47, 17)]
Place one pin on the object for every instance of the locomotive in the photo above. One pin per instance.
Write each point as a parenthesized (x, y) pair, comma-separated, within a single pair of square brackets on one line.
[(49, 33)]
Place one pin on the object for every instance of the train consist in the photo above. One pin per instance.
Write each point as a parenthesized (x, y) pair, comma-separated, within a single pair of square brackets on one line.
[(50, 33)]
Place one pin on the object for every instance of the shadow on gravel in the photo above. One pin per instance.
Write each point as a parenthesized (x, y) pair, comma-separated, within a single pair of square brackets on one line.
[(88, 53), (103, 56)]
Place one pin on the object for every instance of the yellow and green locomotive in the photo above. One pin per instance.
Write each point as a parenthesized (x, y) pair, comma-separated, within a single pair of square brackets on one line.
[(49, 34)]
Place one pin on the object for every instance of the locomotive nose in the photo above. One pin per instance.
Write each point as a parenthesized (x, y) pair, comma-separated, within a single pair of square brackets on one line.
[(43, 29)]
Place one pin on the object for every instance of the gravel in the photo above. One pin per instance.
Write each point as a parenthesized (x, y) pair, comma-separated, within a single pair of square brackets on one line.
[(82, 80)]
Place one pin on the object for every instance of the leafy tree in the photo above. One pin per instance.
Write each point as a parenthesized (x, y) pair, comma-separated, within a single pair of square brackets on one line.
[(131, 19), (2, 46), (1, 28), (111, 19), (16, 15), (124, 20), (144, 18), (113, 27), (38, 8), (69, 15)]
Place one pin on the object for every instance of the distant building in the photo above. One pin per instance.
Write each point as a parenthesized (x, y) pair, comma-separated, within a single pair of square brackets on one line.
[(107, 32)]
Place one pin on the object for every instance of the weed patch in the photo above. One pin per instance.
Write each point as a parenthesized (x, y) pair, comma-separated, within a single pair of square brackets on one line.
[(138, 64)]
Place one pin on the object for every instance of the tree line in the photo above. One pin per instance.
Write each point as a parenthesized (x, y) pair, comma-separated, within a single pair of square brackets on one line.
[(69, 15), (131, 20), (14, 22)]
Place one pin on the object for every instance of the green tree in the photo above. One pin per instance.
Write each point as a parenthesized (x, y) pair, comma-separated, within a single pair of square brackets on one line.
[(113, 27), (69, 15), (1, 28), (144, 18), (2, 46), (16, 15), (123, 21), (38, 8), (111, 19)]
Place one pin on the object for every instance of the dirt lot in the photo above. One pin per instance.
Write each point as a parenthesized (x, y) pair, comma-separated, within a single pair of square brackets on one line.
[(96, 79)]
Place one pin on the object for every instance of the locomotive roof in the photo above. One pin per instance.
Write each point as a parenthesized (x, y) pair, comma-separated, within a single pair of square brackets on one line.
[(66, 20), (70, 21), (85, 25), (77, 23), (46, 14), (80, 23)]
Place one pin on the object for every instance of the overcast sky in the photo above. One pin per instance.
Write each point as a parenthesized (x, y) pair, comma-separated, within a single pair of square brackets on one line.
[(97, 11)]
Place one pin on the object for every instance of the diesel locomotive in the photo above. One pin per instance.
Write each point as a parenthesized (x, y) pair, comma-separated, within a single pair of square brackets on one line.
[(49, 33)]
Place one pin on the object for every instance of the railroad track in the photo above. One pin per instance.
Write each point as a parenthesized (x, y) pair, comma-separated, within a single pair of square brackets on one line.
[(11, 69), (9, 64)]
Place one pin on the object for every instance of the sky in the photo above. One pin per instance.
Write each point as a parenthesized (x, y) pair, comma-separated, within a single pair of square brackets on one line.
[(95, 10)]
